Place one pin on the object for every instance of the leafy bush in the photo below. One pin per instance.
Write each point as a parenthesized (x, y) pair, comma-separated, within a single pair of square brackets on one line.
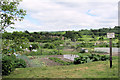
[(82, 51), (82, 59), (4, 51), (104, 57), (34, 46), (60, 61), (73, 47), (8, 65), (89, 58), (55, 52), (49, 46), (44, 41), (20, 63), (80, 39), (58, 42)]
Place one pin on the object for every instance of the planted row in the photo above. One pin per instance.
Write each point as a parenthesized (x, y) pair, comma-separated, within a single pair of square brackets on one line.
[(60, 61), (90, 58)]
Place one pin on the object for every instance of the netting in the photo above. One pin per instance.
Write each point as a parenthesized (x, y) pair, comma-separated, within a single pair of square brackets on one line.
[(31, 61)]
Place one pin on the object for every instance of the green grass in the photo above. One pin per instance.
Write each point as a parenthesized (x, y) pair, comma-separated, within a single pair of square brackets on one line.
[(69, 52), (98, 69)]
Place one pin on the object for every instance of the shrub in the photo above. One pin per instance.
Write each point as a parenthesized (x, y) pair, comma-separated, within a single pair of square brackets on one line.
[(4, 51), (73, 47), (55, 52), (82, 51), (34, 46), (80, 39), (82, 59), (49, 46), (96, 58), (8, 65), (89, 58), (20, 63), (104, 57)]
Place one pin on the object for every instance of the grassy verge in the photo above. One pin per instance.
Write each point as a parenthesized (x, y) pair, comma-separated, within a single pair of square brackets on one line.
[(98, 69)]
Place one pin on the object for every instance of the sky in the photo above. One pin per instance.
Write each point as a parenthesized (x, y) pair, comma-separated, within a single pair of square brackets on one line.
[(64, 15)]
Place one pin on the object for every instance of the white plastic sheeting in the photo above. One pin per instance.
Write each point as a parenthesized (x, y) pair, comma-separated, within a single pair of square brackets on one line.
[(114, 50)]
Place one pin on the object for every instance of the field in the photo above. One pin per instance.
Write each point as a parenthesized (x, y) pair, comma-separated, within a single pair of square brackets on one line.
[(98, 69), (57, 43), (42, 55)]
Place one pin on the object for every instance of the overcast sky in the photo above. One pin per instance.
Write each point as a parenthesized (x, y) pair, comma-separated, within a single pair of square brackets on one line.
[(62, 15)]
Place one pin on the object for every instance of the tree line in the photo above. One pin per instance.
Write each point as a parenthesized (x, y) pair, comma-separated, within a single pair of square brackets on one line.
[(53, 36)]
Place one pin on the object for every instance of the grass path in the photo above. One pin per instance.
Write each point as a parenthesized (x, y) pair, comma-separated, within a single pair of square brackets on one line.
[(99, 69)]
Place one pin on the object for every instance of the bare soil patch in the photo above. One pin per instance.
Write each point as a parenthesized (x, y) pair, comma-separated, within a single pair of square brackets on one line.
[(49, 62)]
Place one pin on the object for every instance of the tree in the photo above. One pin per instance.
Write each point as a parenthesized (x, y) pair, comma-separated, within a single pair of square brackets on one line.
[(72, 35), (10, 13), (27, 32)]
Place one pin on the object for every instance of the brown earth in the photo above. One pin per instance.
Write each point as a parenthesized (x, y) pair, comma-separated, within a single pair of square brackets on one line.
[(49, 62)]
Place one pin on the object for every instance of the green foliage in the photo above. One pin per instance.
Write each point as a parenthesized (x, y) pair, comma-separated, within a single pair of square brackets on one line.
[(60, 61), (44, 52), (104, 57), (10, 13), (79, 39), (90, 58), (20, 63), (72, 35), (72, 46), (101, 38), (57, 43), (82, 51), (5, 51), (49, 46), (55, 52), (84, 44), (82, 59), (34, 46), (9, 63)]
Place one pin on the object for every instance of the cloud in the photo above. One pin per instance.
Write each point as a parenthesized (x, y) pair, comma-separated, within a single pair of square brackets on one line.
[(58, 15)]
